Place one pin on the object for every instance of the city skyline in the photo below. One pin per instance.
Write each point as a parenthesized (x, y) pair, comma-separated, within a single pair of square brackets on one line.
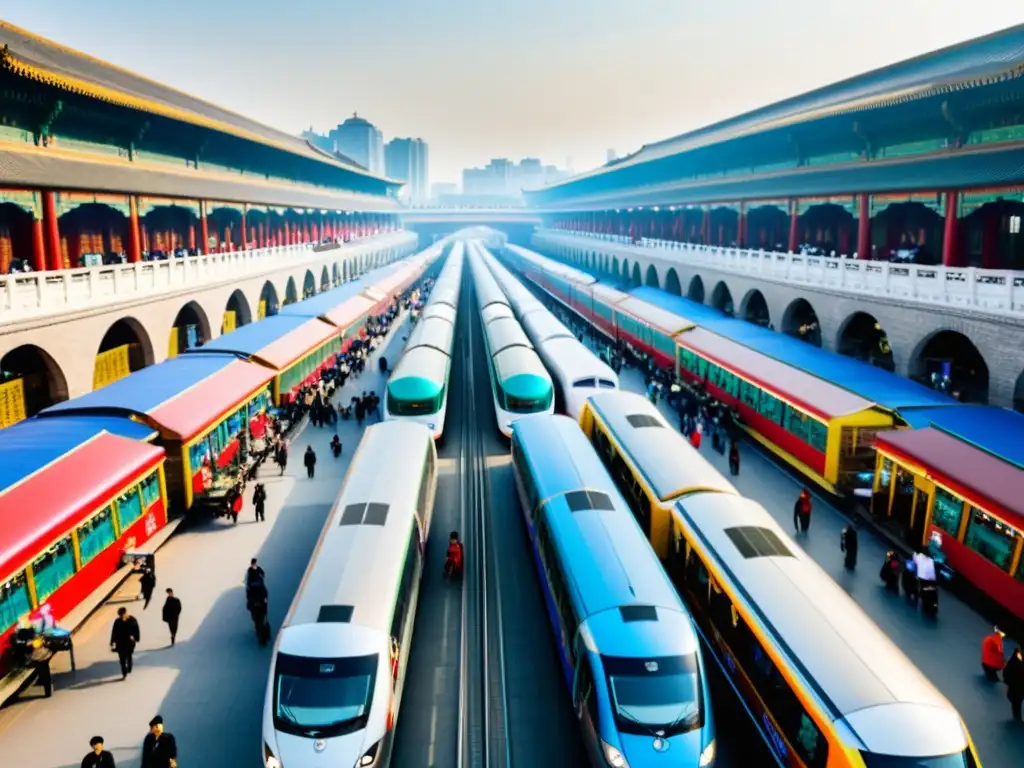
[(597, 76)]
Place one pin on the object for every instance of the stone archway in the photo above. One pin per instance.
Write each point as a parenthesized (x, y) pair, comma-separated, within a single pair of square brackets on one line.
[(268, 301), (862, 337), (672, 282), (291, 292), (43, 382), (635, 279), (721, 298), (615, 266), (335, 275), (754, 308), (651, 280), (801, 321), (190, 329), (308, 285), (1018, 394), (325, 279), (695, 292), (950, 361), (125, 347), (236, 312)]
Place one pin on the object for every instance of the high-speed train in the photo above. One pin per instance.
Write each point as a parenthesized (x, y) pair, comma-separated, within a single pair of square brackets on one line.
[(825, 687), (418, 387), (628, 646), (578, 372), (339, 663), (520, 384)]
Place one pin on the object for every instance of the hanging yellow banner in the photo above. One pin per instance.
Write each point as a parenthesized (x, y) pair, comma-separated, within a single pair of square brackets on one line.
[(111, 366), (261, 311), (229, 322), (12, 402), (172, 343)]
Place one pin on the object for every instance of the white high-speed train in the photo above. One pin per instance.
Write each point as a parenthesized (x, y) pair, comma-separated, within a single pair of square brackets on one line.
[(579, 372), (339, 662)]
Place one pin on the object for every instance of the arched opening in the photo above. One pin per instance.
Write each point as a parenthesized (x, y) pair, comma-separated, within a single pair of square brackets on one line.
[(862, 337), (827, 228), (672, 283), (801, 321), (1018, 394), (16, 241), (625, 270), (767, 228), (42, 381), (949, 361), (696, 290), (291, 293), (721, 298), (191, 329), (335, 275), (125, 347), (908, 231), (615, 266), (308, 285), (754, 308), (652, 277), (268, 301), (325, 279), (236, 313), (636, 280), (169, 229)]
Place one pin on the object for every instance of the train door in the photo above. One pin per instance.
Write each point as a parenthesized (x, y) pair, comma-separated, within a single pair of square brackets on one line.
[(584, 698), (921, 511)]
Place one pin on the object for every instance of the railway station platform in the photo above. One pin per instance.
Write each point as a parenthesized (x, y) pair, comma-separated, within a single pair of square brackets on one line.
[(210, 686)]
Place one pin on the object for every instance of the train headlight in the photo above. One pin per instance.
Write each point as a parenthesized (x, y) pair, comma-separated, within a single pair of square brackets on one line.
[(707, 757), (268, 757), (370, 756), (613, 757)]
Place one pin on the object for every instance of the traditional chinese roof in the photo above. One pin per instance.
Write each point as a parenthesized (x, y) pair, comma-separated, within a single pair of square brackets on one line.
[(36, 58)]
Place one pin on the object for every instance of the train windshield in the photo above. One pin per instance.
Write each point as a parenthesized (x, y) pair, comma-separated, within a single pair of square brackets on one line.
[(521, 405), (957, 760), (659, 696), (424, 407), (319, 698)]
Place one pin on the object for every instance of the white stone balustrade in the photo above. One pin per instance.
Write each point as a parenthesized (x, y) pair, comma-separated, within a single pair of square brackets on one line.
[(987, 291), (24, 296)]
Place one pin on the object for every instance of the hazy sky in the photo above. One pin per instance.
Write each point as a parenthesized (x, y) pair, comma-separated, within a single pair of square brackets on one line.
[(555, 79)]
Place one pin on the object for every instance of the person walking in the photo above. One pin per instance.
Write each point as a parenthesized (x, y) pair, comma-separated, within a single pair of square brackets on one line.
[(124, 636), (993, 657), (734, 458), (257, 603), (309, 459), (171, 613), (147, 584), (259, 501), (159, 749), (98, 757), (281, 455), (802, 512), (1013, 676), (849, 544), (254, 573)]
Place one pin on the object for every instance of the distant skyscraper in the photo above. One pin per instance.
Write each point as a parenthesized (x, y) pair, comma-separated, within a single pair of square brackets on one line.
[(407, 160), (612, 155), (318, 140), (362, 141)]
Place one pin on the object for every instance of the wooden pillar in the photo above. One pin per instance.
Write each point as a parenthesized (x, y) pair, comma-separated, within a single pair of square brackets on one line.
[(38, 245), (794, 226), (243, 233), (51, 231), (204, 230), (951, 230), (134, 239), (741, 227), (864, 226)]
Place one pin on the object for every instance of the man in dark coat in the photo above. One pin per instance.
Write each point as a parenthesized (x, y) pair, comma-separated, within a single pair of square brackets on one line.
[(159, 749), (124, 636), (309, 459), (1013, 676), (147, 584), (171, 613), (98, 757)]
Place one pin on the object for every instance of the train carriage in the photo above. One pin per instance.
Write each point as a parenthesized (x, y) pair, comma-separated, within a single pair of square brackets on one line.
[(628, 647), (653, 464), (823, 684), (338, 670)]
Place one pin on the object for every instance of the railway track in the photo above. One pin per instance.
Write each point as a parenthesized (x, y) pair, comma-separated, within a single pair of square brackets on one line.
[(483, 707)]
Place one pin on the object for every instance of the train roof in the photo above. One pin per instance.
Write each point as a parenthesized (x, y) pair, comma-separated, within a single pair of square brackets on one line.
[(440, 311), (997, 431), (435, 332), (571, 362), (668, 322), (542, 326), (552, 266), (521, 374), (607, 294), (495, 312), (671, 466), (505, 332), (603, 549), (277, 341), (487, 289), (326, 302), (848, 662), (361, 553), (419, 375)]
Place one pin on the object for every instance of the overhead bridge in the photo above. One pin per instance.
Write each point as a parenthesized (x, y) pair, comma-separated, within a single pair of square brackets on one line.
[(470, 216)]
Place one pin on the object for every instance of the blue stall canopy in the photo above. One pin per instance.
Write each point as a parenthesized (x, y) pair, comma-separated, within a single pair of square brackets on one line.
[(997, 431), (889, 390), (321, 304), (250, 339)]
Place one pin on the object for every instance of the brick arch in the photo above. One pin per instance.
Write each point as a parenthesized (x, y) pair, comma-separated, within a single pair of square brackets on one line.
[(968, 362), (672, 284), (651, 278)]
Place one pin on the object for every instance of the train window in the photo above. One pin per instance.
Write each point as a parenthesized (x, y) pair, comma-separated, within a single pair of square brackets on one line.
[(199, 454), (722, 613), (687, 360), (525, 476), (750, 395), (817, 436), (14, 601), (991, 538), (810, 742), (584, 686), (129, 508), (96, 534), (405, 588), (150, 487), (770, 407), (697, 577), (702, 368), (664, 343), (729, 382), (53, 568), (947, 512), (1020, 571), (421, 499)]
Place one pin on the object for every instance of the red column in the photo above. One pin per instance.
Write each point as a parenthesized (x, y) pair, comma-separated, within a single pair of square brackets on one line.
[(191, 237), (51, 231), (990, 238), (864, 226), (794, 227), (951, 232), (204, 230), (243, 233), (134, 240), (741, 227), (705, 227), (305, 229), (38, 245)]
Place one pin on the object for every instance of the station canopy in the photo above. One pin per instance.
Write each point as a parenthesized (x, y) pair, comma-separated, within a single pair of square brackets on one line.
[(54, 473), (962, 467), (997, 431), (885, 388), (180, 397), (277, 341)]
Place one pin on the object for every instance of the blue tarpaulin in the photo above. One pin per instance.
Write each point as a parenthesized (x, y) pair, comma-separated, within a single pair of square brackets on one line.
[(321, 304), (250, 339), (870, 382)]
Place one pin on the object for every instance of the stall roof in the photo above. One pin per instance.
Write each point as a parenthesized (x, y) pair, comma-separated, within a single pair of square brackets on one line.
[(321, 304), (962, 467), (870, 382), (52, 479), (181, 397), (994, 430), (277, 341), (816, 396)]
